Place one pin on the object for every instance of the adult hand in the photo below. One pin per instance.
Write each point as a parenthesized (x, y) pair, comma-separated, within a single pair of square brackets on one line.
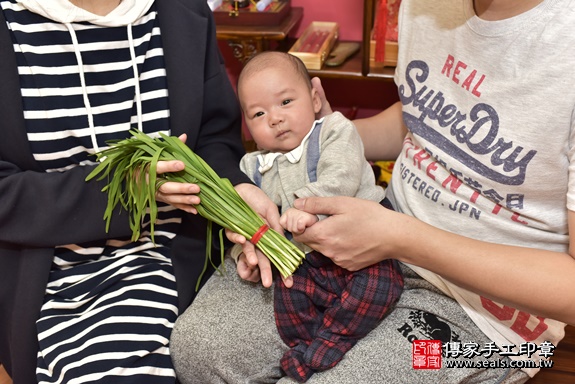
[(252, 264), (256, 267), (357, 233), (261, 203), (180, 195), (325, 106)]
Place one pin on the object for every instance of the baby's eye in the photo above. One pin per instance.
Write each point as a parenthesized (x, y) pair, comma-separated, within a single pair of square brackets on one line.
[(286, 101), (258, 114)]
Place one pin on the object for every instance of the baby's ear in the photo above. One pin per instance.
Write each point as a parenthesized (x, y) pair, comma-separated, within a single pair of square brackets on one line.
[(316, 100)]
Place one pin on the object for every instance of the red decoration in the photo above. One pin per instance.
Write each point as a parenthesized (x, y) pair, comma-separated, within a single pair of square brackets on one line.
[(385, 26)]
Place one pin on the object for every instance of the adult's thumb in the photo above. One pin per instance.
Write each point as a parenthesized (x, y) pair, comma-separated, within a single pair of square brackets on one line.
[(318, 205)]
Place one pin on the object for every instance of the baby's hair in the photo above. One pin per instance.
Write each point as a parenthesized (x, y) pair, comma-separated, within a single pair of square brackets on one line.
[(269, 58)]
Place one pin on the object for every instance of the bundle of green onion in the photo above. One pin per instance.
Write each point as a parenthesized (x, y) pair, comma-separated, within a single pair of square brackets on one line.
[(130, 166)]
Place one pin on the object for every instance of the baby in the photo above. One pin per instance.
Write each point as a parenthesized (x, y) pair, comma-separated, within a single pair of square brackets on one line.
[(329, 308)]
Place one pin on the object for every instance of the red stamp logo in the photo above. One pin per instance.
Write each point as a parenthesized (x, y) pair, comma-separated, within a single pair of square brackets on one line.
[(426, 354)]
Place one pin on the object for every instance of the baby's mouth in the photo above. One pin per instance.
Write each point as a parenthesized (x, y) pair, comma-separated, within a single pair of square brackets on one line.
[(281, 133)]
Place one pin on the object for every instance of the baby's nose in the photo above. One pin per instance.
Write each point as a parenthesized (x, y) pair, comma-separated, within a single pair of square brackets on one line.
[(275, 119)]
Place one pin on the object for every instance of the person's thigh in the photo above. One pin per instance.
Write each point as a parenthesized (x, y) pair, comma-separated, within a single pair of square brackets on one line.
[(228, 334), (385, 354)]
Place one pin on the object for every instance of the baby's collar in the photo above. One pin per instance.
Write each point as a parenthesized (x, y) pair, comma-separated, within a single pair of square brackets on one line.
[(266, 160)]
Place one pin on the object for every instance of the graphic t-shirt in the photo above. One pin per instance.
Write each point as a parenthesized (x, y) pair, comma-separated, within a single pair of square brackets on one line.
[(489, 109)]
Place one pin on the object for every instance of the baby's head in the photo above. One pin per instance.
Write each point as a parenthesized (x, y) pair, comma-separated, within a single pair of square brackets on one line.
[(278, 101)]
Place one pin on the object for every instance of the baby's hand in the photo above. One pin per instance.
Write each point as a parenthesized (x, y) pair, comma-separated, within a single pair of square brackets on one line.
[(297, 221)]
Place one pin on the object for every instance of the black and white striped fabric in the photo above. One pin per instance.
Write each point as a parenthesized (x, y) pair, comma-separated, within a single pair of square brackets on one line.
[(110, 305)]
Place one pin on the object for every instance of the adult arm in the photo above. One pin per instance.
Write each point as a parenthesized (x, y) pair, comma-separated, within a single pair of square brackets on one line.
[(523, 278), (41, 209), (382, 134), (48, 209)]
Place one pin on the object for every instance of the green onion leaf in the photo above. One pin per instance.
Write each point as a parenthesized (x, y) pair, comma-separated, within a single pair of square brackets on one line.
[(130, 167)]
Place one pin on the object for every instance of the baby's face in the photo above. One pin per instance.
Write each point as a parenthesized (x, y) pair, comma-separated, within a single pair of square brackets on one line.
[(279, 108)]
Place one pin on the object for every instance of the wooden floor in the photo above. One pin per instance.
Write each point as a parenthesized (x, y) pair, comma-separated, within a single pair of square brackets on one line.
[(563, 371)]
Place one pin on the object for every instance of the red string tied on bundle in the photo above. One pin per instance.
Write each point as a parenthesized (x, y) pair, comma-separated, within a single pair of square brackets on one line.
[(259, 233)]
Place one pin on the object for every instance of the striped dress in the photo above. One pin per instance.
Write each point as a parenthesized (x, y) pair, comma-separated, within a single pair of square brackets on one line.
[(109, 305)]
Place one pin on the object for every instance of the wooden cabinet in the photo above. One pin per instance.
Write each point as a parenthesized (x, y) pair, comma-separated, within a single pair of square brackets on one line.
[(246, 41), (358, 66)]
